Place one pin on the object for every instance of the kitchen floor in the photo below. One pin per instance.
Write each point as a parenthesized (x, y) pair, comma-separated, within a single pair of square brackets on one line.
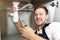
[(13, 37)]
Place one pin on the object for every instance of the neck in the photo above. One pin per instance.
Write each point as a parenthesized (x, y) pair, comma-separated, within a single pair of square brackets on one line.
[(40, 27)]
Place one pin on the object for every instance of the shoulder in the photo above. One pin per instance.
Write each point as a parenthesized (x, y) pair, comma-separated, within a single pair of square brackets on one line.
[(54, 25), (53, 29)]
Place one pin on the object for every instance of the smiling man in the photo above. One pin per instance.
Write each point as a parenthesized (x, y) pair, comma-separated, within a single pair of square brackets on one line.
[(41, 16), (45, 31)]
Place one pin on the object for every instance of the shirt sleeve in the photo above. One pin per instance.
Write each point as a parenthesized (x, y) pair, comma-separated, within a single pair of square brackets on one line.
[(56, 31)]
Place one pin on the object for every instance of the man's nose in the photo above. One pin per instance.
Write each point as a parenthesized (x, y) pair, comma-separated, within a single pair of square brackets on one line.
[(38, 16)]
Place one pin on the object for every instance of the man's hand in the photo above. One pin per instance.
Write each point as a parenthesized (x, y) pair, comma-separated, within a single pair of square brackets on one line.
[(13, 9), (26, 32)]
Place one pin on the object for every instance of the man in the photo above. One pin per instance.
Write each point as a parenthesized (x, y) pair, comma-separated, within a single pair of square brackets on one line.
[(45, 31)]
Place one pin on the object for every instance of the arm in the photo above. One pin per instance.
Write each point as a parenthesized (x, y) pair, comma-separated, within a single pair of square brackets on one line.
[(56, 31), (36, 37)]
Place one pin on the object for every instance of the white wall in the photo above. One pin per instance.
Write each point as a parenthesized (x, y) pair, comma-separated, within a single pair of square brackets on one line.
[(57, 13), (54, 12), (51, 11)]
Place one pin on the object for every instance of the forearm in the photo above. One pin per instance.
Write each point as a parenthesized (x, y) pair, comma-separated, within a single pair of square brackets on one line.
[(36, 37), (18, 24)]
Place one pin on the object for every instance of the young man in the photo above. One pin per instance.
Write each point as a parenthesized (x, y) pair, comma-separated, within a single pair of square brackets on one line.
[(45, 31)]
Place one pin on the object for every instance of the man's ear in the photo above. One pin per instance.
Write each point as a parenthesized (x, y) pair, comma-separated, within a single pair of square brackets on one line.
[(47, 17)]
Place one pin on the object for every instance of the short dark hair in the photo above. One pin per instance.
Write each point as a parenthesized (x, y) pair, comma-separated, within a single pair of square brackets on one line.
[(41, 7)]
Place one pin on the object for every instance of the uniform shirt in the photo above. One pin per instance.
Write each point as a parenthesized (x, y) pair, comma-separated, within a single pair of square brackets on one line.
[(52, 31)]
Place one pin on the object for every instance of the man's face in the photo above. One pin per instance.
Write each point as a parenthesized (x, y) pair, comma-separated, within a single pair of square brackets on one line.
[(40, 16)]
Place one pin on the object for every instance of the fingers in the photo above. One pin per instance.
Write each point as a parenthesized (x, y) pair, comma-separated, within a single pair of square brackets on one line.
[(22, 36), (20, 29), (13, 9)]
